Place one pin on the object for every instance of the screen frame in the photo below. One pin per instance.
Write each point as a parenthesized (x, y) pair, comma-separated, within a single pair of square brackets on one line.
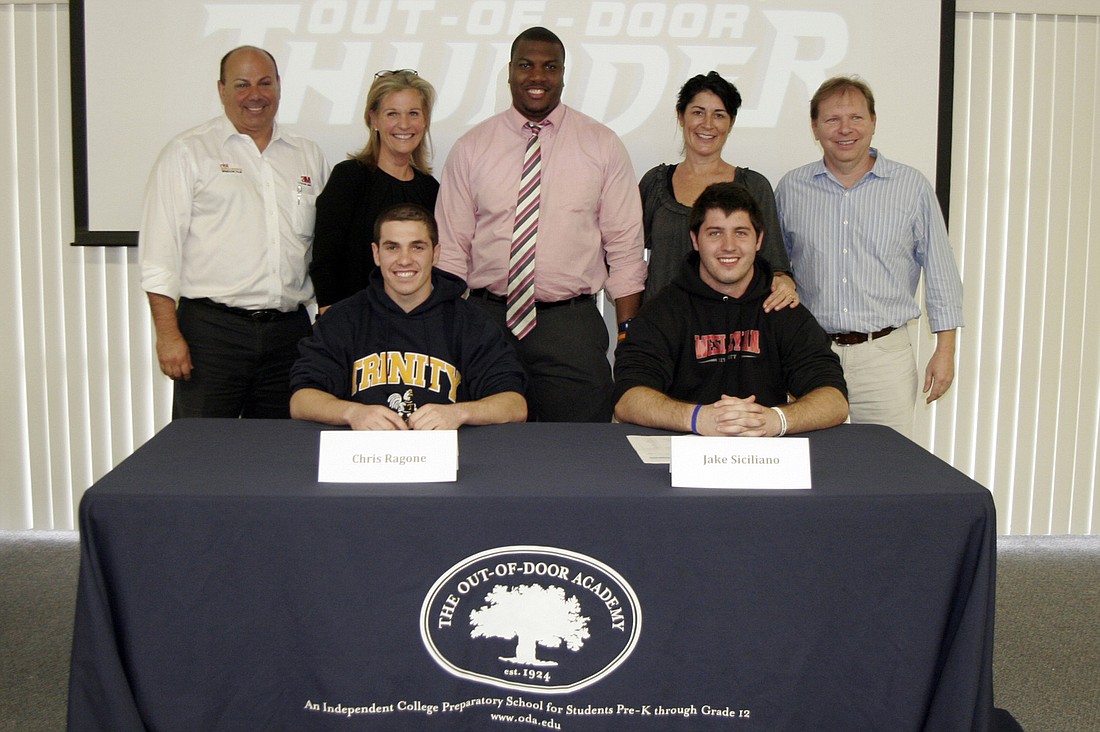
[(84, 236)]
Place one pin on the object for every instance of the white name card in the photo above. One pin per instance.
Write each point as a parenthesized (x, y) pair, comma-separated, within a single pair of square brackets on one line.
[(388, 457), (740, 462)]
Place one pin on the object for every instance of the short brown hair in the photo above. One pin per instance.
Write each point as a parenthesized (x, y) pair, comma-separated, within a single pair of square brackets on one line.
[(407, 212), (727, 197), (837, 85)]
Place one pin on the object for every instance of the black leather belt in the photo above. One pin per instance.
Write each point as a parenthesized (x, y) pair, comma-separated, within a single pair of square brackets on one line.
[(260, 316), (484, 294), (851, 339)]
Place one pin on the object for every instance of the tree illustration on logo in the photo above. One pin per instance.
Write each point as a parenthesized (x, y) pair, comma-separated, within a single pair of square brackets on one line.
[(535, 616)]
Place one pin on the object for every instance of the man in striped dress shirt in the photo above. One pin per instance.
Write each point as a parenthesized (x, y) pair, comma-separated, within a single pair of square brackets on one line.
[(860, 229)]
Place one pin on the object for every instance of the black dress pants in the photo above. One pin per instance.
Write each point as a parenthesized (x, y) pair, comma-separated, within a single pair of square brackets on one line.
[(241, 365), (566, 361)]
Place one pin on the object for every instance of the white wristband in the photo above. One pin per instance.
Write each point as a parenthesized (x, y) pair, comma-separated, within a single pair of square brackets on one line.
[(782, 421)]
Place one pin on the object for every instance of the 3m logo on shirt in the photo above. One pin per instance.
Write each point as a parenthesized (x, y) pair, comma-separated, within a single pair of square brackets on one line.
[(531, 618), (720, 346), (409, 369)]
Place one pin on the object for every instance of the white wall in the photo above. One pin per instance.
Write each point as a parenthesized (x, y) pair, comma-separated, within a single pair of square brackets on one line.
[(80, 389), (625, 63)]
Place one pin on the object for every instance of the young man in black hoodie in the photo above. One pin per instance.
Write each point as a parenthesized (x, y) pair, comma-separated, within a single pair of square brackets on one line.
[(703, 356), (407, 352)]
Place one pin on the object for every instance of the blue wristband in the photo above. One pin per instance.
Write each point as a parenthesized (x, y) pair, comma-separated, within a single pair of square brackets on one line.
[(694, 419)]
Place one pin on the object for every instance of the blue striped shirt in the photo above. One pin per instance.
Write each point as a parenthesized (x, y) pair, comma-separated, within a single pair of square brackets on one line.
[(857, 253)]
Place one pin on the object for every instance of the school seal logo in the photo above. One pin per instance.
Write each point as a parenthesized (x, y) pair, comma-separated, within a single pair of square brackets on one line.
[(531, 618)]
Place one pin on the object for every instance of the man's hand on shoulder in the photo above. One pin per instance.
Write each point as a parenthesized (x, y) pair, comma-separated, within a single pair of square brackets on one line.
[(784, 293)]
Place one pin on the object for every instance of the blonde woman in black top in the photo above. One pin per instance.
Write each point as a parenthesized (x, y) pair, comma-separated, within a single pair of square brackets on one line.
[(393, 167)]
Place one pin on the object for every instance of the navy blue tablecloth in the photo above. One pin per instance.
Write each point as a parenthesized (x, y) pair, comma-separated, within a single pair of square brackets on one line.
[(223, 588)]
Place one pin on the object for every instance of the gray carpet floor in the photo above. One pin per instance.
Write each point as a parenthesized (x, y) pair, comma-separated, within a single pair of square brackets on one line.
[(1046, 658), (1046, 664), (37, 596)]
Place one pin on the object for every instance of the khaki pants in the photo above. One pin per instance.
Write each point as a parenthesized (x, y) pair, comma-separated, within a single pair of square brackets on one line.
[(882, 381)]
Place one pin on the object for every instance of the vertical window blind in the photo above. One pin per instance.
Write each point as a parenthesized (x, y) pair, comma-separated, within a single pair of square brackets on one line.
[(1025, 220), (80, 392)]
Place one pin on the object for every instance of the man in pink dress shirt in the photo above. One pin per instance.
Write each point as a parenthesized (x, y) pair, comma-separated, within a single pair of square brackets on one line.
[(589, 231)]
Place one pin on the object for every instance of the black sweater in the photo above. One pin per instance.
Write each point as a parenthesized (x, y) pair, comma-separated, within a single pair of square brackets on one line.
[(346, 211), (695, 344)]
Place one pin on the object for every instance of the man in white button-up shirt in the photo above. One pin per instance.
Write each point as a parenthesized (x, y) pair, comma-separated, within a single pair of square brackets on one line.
[(224, 246)]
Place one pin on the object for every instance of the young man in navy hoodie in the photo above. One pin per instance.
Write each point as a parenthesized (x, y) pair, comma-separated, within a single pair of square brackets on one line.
[(704, 357), (407, 352)]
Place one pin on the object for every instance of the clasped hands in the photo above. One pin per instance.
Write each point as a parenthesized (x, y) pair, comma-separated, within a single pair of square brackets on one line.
[(427, 417), (731, 416)]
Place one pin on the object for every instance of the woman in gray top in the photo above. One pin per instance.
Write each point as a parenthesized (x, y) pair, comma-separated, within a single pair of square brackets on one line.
[(706, 109)]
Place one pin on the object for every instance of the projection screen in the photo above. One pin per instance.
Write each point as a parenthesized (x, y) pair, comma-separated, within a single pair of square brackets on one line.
[(146, 71)]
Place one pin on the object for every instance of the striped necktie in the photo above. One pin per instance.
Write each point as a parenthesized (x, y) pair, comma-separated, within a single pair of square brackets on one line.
[(521, 261)]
